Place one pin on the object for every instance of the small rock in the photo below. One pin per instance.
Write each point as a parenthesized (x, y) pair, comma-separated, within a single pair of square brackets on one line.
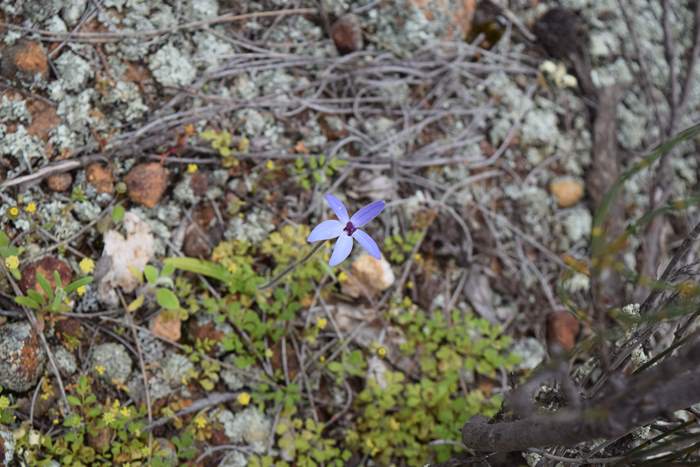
[(234, 459), (166, 326), (114, 359), (250, 426), (567, 191), (347, 34), (23, 357), (176, 368), (65, 361), (46, 266), (100, 177), (530, 351), (24, 60), (202, 233), (368, 275), (562, 330), (7, 447), (59, 182), (146, 183), (231, 379), (44, 119)]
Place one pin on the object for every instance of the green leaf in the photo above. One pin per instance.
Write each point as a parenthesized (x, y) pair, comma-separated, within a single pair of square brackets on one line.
[(200, 266), (73, 286), (135, 304), (167, 299), (26, 301), (4, 239), (72, 421), (74, 401), (118, 213), (44, 284), (151, 274)]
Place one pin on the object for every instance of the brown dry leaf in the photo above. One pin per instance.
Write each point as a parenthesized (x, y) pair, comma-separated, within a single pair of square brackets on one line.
[(562, 329), (346, 33), (167, 326)]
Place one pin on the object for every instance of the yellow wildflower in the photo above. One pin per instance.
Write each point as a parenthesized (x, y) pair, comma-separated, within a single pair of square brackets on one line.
[(108, 417), (81, 290), (12, 262), (125, 411), (381, 351), (100, 370), (87, 265), (4, 402), (30, 208), (200, 421), (321, 323), (13, 212), (269, 353), (192, 168), (244, 398), (322, 359), (269, 165)]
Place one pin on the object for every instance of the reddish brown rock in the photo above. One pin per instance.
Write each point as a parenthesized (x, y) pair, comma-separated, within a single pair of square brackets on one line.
[(23, 357), (166, 326), (146, 183), (346, 33), (203, 233), (24, 60), (562, 330), (100, 177), (46, 266), (59, 182), (44, 119)]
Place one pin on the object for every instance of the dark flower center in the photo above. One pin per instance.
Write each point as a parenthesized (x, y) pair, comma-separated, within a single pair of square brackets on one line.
[(349, 228)]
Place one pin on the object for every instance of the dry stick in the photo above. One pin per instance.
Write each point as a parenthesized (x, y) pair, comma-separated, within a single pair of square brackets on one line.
[(142, 364), (213, 399), (51, 169)]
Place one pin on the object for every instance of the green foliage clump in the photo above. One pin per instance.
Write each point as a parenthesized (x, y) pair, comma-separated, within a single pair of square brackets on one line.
[(94, 433), (397, 247), (400, 418), (315, 170), (221, 142)]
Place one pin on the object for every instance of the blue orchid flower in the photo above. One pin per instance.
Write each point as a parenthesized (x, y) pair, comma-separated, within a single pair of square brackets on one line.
[(346, 228)]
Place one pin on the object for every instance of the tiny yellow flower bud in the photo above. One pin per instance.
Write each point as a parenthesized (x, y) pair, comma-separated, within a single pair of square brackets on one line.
[(269, 353), (192, 168), (87, 265), (13, 212), (12, 262), (100, 370), (269, 165), (81, 290), (244, 398), (31, 207), (322, 359), (321, 323), (200, 421), (381, 351)]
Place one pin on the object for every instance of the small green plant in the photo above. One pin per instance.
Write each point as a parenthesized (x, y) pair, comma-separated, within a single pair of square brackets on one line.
[(315, 170), (221, 142), (397, 247), (160, 283), (52, 299)]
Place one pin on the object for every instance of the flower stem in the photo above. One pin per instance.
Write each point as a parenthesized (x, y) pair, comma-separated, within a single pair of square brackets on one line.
[(291, 267)]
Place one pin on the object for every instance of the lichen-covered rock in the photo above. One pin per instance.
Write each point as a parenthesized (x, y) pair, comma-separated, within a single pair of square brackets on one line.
[(74, 71), (250, 426), (100, 177), (234, 459), (23, 357), (146, 183), (65, 361), (176, 368), (7, 447), (172, 66), (111, 362), (530, 351)]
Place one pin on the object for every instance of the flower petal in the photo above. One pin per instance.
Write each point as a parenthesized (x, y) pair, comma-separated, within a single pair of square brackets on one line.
[(326, 230), (367, 213), (342, 250), (367, 243), (338, 207)]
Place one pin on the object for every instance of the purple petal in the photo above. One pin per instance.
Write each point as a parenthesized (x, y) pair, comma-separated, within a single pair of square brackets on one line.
[(326, 230), (342, 250), (367, 213), (338, 207), (367, 243)]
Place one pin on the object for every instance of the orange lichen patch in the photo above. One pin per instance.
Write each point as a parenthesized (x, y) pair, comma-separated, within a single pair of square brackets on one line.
[(30, 57), (44, 119), (46, 266), (30, 360)]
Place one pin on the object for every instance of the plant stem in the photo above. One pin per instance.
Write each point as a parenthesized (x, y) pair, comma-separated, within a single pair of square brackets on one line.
[(291, 267)]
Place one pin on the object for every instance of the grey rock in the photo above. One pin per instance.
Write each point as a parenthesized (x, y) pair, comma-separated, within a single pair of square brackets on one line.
[(530, 351), (23, 357), (65, 361), (7, 447), (115, 360), (250, 426)]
